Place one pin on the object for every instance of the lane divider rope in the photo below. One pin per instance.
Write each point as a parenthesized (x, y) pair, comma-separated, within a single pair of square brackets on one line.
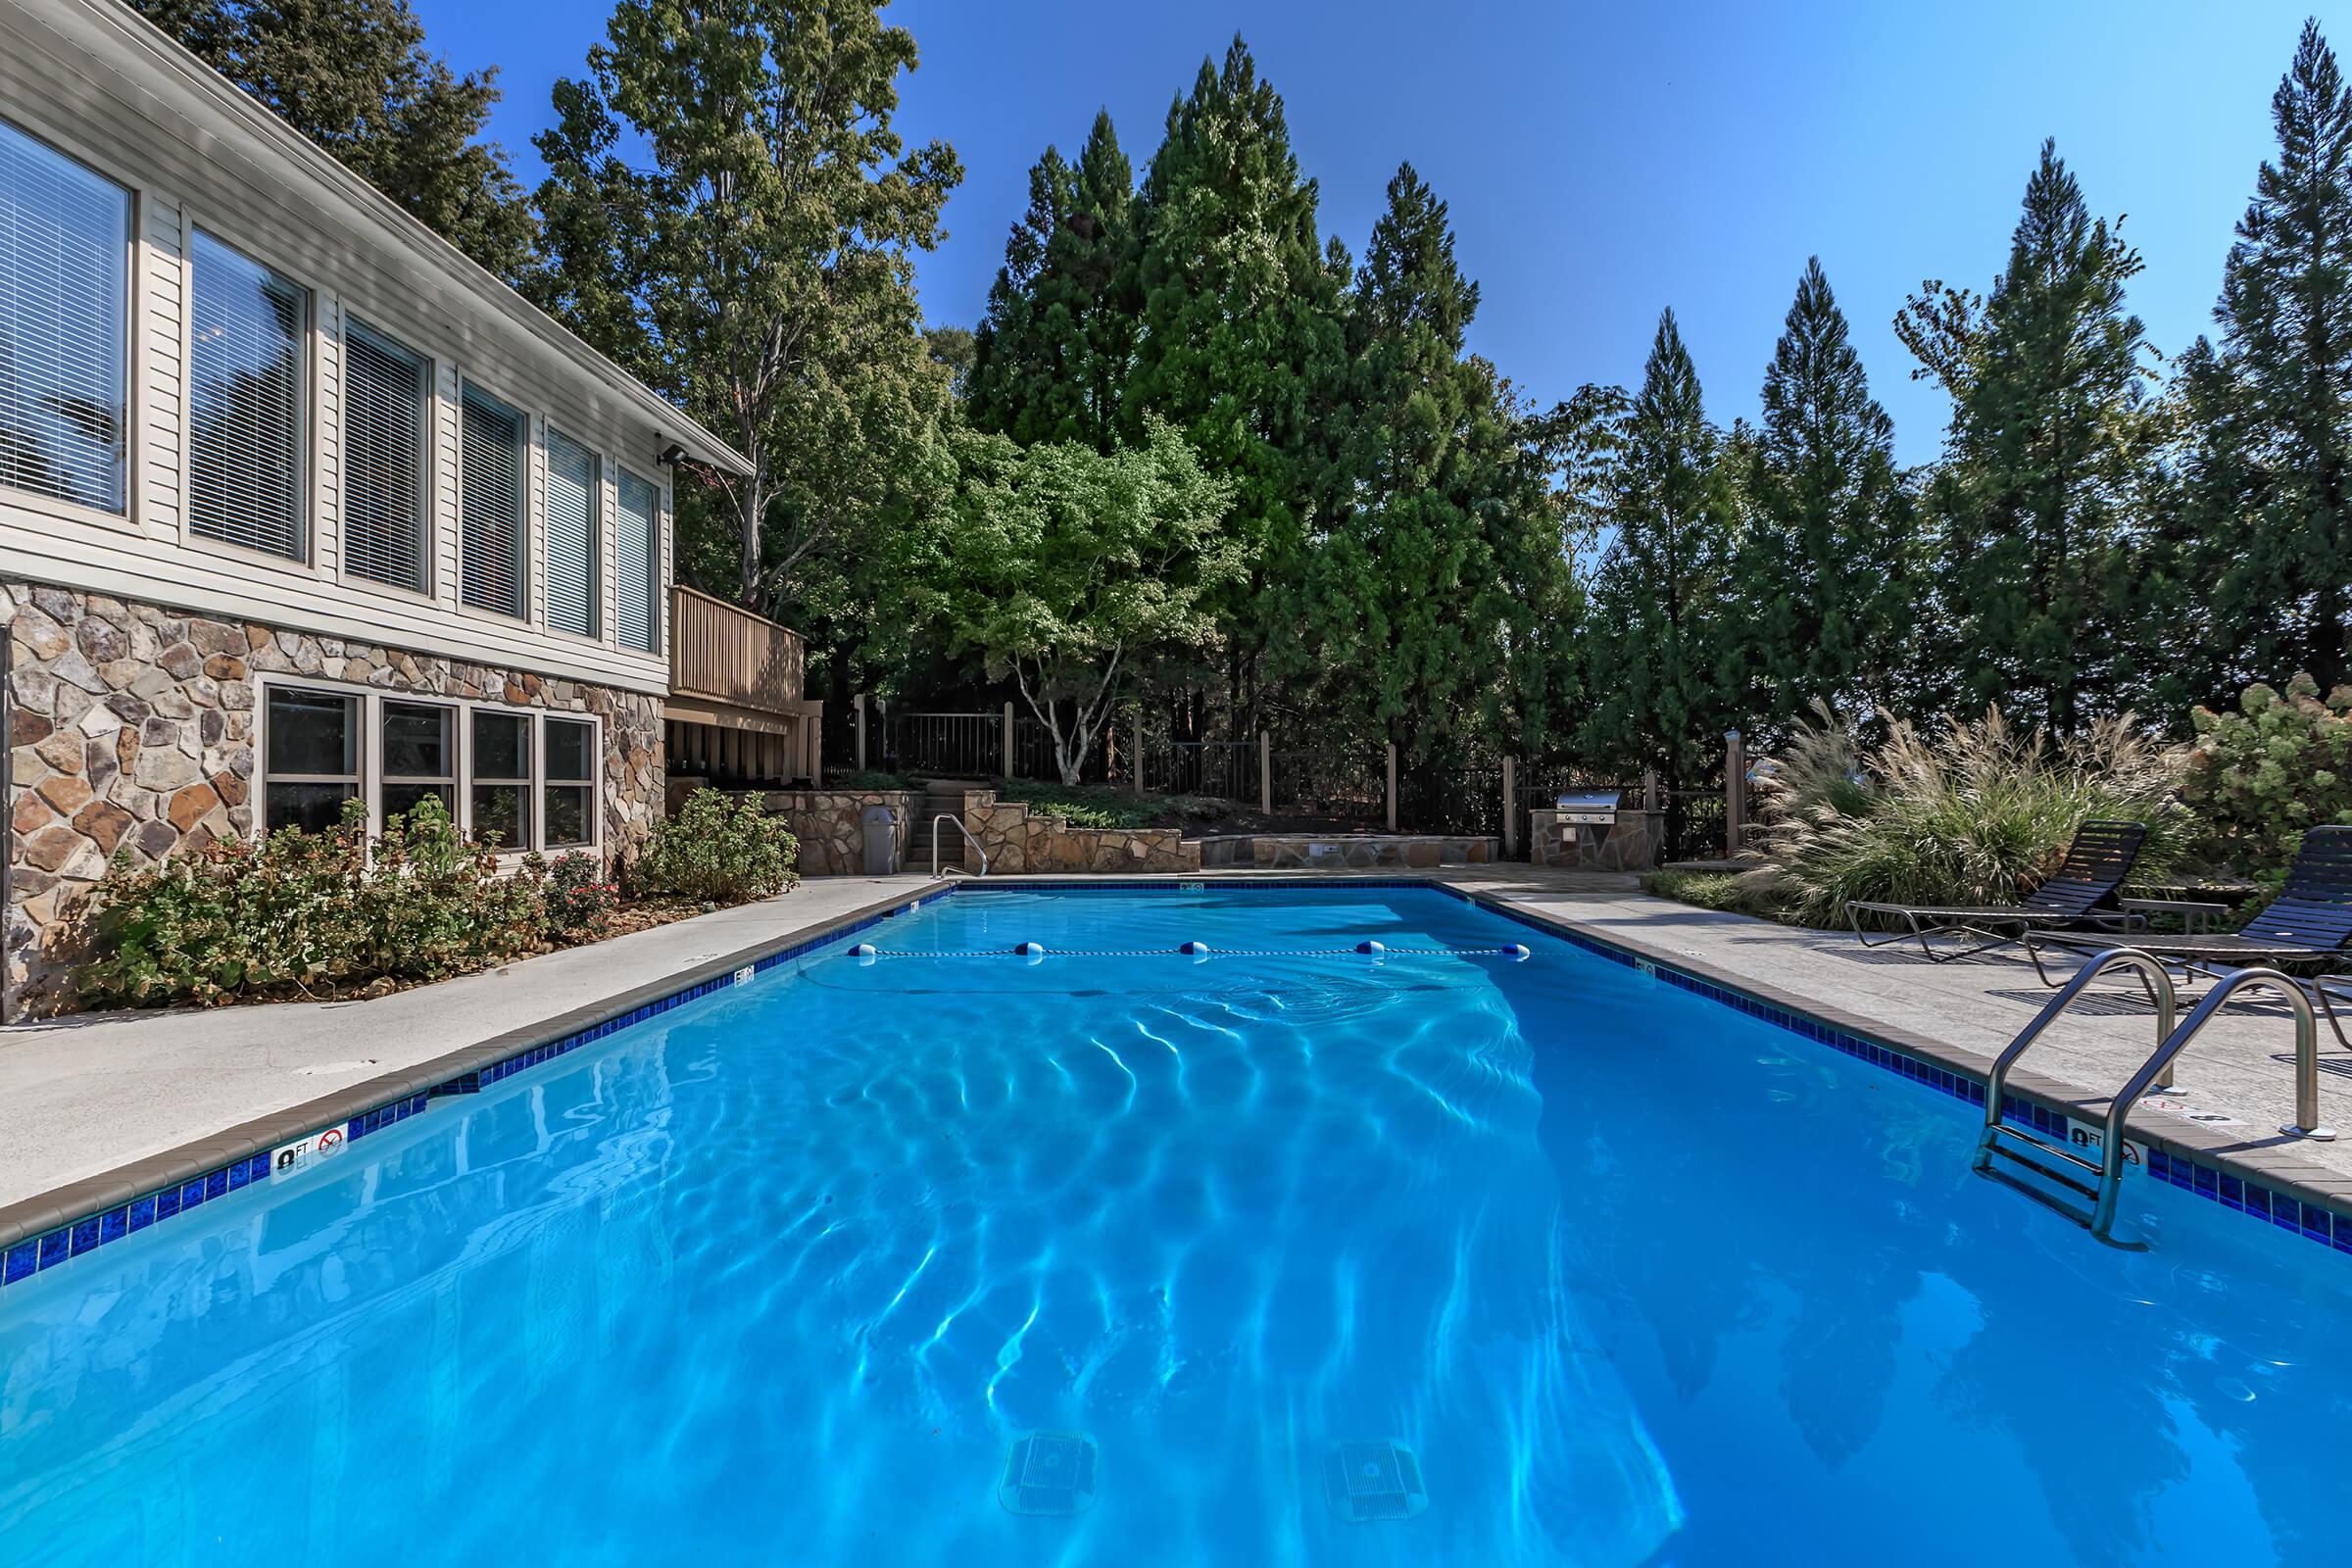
[(1194, 949)]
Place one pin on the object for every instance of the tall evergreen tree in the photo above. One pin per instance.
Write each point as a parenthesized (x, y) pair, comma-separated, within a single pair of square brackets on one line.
[(1050, 359), (355, 76), (1826, 558), (2269, 477), (1422, 584), (1661, 605), (2034, 511), (1240, 333)]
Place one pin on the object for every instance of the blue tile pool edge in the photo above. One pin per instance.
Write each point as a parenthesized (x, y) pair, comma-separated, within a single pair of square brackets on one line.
[(2234, 1186), (2221, 1182), (87, 1231)]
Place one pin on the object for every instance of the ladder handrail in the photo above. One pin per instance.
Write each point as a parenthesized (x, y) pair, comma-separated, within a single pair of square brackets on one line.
[(2159, 983), (951, 816), (2307, 1077)]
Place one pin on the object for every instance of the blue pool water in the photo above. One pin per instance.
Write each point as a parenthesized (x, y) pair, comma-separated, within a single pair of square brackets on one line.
[(785, 1274)]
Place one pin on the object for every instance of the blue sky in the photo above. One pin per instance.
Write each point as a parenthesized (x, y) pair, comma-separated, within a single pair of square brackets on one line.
[(1603, 162)]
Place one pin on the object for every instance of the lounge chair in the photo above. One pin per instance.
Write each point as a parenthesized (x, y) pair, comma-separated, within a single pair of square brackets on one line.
[(2308, 925), (2082, 894)]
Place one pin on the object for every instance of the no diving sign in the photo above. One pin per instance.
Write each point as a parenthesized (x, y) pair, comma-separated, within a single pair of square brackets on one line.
[(302, 1153)]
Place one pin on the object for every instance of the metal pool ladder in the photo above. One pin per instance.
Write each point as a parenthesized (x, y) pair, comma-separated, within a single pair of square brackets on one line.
[(951, 816), (2097, 1182)]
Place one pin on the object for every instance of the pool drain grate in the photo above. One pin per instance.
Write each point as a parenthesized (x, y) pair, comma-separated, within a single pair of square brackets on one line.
[(1048, 1472), (1364, 1481)]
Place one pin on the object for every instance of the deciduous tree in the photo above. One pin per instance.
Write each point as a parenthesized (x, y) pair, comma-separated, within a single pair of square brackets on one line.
[(1071, 570)]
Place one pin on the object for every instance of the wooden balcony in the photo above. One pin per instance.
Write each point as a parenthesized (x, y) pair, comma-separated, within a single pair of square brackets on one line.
[(734, 710)]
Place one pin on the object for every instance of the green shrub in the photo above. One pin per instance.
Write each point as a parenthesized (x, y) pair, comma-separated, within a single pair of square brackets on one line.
[(2260, 776), (1708, 890), (1084, 806), (1975, 813), (716, 851), (318, 914), (579, 901)]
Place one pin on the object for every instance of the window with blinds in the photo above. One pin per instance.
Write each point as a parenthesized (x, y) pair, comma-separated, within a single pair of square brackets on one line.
[(493, 448), (637, 564), (387, 408), (574, 487), (245, 468), (64, 303)]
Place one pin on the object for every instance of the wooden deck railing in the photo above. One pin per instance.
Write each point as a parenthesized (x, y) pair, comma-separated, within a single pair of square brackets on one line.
[(725, 653)]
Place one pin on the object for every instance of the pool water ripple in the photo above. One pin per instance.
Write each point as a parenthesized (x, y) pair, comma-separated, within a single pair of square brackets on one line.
[(782, 1276)]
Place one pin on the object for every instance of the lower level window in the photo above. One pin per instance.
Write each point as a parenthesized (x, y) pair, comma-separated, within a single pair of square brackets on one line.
[(502, 778), (514, 778), (569, 783), (311, 759), (420, 757)]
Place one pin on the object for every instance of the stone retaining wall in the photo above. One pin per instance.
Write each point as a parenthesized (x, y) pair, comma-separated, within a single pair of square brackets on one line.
[(1334, 851), (831, 827), (131, 731), (1016, 838)]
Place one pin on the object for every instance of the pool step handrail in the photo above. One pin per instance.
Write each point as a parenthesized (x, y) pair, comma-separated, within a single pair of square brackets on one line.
[(2054, 1161), (951, 816), (2155, 1072)]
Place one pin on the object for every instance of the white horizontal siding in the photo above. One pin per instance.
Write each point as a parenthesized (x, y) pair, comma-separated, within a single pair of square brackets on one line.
[(69, 77), (160, 382)]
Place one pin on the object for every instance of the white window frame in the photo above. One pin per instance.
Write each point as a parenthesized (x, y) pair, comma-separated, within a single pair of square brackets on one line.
[(134, 288), (462, 708), (304, 561), (601, 469), (428, 468), (527, 601)]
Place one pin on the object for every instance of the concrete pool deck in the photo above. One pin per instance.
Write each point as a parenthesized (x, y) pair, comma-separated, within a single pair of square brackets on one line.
[(85, 1100)]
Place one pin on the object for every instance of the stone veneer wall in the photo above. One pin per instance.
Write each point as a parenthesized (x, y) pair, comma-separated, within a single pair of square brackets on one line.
[(1630, 845), (130, 732), (830, 825), (1332, 851), (1016, 839)]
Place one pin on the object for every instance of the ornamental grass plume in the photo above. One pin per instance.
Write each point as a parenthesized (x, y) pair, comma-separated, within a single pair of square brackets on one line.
[(1970, 813)]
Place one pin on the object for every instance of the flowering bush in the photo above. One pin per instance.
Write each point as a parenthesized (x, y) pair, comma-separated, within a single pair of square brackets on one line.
[(317, 913), (2258, 777), (714, 851), (579, 901)]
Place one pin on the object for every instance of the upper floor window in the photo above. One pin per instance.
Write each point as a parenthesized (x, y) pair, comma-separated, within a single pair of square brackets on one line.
[(574, 491), (387, 411), (65, 315), (245, 460), (637, 564), (493, 510)]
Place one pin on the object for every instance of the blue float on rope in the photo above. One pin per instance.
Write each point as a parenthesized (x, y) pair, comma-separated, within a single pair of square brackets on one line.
[(1196, 948), (1032, 951), (863, 950), (1369, 946), (1515, 950)]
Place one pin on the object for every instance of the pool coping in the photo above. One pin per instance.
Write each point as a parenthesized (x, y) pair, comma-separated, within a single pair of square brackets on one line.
[(62, 1208), (48, 1228)]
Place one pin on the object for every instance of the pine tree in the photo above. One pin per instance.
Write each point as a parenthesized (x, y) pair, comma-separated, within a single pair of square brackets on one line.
[(1423, 583), (1050, 356), (355, 76), (2270, 477), (2034, 511), (1826, 558), (1661, 606), (1240, 332)]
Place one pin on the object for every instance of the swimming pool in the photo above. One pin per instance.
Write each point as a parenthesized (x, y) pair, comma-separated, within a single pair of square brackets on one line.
[(945, 1257)]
